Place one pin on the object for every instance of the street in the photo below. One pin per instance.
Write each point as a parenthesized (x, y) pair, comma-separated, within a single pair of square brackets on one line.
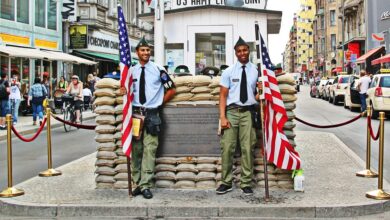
[(320, 112), (31, 158)]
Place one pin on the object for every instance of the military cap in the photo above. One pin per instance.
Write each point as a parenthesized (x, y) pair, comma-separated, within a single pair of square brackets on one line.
[(241, 42), (210, 71), (182, 70), (142, 43)]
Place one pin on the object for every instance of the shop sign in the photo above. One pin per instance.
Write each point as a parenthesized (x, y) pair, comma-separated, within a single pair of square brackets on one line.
[(45, 44), (385, 15), (103, 42), (259, 4), (14, 39), (69, 10), (78, 36)]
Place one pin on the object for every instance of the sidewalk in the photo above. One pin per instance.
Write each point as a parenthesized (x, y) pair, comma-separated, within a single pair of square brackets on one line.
[(331, 191), (25, 127)]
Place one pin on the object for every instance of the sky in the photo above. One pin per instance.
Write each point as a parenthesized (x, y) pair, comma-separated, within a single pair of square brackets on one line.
[(277, 42)]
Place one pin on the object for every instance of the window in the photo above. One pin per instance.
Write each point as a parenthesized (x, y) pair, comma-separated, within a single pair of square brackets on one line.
[(52, 15), (7, 9), (322, 22), (209, 50), (304, 51), (22, 11), (309, 7), (322, 44), (333, 42), (40, 13), (332, 17), (310, 46)]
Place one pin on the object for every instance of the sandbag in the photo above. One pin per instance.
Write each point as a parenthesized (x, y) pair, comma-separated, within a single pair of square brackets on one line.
[(201, 89), (290, 115), (219, 168), (104, 92), (105, 120), (201, 80), (216, 91), (119, 100), (186, 176), (107, 83), (108, 146), (119, 119), (165, 167), (183, 80), (104, 101), (105, 110), (284, 184), (164, 184), (166, 160), (287, 89), (215, 82), (205, 176), (289, 125), (290, 134), (207, 160), (104, 138), (119, 127), (106, 155), (117, 92), (183, 89), (118, 143), (289, 98), (121, 177), (292, 142), (206, 167), (121, 185), (104, 185), (121, 160), (104, 179), (164, 175), (184, 184), (207, 184), (121, 168), (118, 109), (182, 97), (191, 160), (104, 162), (286, 177), (286, 79), (105, 129), (289, 105), (202, 97), (119, 152), (218, 177), (109, 171), (118, 135), (186, 168)]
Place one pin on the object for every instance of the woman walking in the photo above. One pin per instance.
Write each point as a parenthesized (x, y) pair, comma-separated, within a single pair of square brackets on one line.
[(36, 95)]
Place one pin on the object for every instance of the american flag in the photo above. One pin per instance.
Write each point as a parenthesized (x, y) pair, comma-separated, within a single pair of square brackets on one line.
[(126, 82), (278, 148)]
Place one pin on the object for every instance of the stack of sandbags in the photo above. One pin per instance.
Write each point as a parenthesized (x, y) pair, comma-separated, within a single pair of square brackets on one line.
[(193, 88), (105, 132)]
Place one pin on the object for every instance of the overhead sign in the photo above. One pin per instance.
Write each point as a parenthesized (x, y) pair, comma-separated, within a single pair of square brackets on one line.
[(378, 37), (45, 44), (103, 42), (78, 36), (69, 10), (14, 39), (259, 4)]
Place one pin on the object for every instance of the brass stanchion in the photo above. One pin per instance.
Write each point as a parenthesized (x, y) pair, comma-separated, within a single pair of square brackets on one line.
[(368, 172), (10, 191), (379, 193), (50, 171)]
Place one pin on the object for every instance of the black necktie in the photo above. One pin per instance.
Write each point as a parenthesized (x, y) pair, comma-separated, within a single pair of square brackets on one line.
[(243, 88), (142, 96)]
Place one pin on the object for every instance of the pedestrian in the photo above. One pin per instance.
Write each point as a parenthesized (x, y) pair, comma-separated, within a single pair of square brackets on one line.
[(150, 80), (4, 99), (236, 105), (36, 95), (15, 97), (363, 84), (87, 95), (91, 81), (97, 78), (62, 84), (75, 88), (46, 83)]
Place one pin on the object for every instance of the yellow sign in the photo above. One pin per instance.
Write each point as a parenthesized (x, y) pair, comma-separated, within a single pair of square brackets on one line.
[(45, 44), (8, 38), (385, 71)]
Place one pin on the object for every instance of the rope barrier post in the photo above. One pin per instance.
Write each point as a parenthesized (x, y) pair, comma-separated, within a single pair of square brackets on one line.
[(50, 171), (368, 173), (379, 193), (10, 191)]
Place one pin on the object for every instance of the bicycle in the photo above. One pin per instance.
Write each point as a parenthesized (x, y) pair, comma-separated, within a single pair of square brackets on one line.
[(70, 111)]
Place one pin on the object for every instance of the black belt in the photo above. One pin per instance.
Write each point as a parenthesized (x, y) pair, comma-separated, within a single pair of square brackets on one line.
[(238, 108), (145, 111)]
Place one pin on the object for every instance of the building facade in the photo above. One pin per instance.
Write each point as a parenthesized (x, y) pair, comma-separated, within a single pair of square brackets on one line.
[(290, 54)]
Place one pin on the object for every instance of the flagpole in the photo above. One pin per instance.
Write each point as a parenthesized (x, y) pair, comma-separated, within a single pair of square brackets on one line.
[(261, 98)]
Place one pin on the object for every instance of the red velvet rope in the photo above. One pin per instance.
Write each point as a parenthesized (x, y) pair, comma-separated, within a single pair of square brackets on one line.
[(329, 126), (374, 137), (88, 127), (33, 137)]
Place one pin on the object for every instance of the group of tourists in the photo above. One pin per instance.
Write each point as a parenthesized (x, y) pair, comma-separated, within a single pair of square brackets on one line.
[(152, 88)]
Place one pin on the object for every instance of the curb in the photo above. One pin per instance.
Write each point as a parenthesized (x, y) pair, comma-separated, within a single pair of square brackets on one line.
[(33, 130)]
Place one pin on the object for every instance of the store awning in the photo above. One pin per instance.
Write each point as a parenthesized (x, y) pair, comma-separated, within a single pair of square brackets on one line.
[(106, 56), (384, 59), (43, 54), (363, 58)]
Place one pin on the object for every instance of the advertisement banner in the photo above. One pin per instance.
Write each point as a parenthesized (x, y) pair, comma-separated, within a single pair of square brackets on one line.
[(258, 4), (78, 35)]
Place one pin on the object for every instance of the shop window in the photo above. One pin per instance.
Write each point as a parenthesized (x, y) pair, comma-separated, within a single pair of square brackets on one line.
[(40, 12), (4, 64), (23, 11), (210, 50), (8, 9), (52, 15), (25, 78)]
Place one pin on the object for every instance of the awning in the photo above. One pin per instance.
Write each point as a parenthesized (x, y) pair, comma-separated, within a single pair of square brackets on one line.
[(384, 59), (106, 56), (43, 54), (363, 58)]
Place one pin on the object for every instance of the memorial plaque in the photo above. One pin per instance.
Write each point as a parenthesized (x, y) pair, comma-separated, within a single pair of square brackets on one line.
[(189, 131)]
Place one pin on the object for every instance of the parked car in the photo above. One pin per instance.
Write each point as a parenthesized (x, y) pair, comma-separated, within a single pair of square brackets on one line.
[(337, 90), (379, 93), (314, 89), (321, 88), (352, 98), (327, 88)]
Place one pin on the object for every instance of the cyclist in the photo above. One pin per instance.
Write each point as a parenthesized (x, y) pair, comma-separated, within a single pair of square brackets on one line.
[(75, 88)]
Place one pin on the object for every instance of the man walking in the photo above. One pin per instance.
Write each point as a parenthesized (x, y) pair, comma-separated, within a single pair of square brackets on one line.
[(236, 104), (149, 81), (4, 99), (364, 83)]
